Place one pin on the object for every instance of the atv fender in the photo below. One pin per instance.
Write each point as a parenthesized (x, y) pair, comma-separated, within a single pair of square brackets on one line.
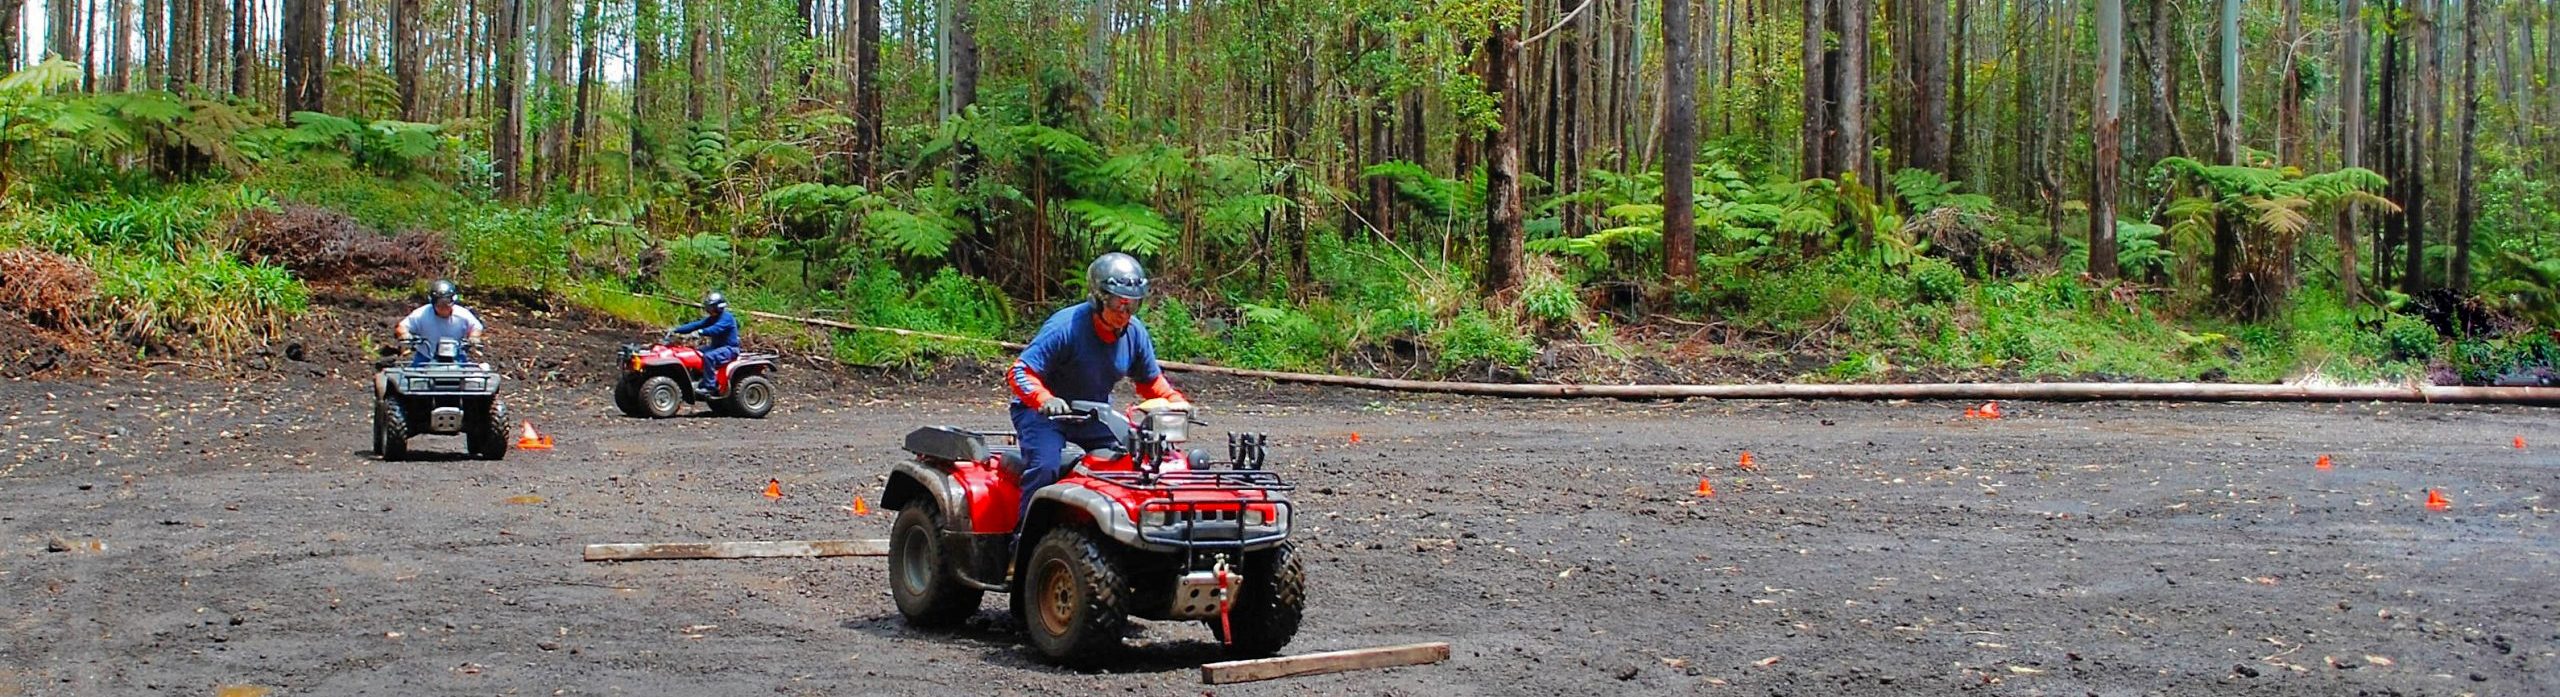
[(1055, 504), (912, 480)]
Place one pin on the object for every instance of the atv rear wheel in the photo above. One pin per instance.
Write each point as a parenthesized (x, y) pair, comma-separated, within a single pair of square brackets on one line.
[(751, 397), (660, 396), (626, 395), (1075, 598), (390, 429), (1269, 604), (921, 579)]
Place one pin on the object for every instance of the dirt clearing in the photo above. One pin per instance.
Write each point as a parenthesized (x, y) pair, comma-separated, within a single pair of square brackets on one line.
[(169, 534)]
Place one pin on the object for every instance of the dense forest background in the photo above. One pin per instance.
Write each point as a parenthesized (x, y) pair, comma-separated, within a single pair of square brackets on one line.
[(1583, 189)]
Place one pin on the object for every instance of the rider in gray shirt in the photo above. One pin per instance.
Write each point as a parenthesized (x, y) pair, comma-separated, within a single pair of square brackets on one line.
[(441, 318)]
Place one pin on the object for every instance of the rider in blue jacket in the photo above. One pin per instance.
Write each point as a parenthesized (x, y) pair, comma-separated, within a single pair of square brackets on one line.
[(1079, 354), (719, 332)]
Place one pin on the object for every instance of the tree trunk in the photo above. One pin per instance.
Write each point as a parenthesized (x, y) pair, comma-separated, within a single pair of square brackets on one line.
[(2164, 85), (1816, 147), (215, 20), (1097, 54), (1922, 128), (404, 57), (697, 36), (964, 55), (2463, 216), (2393, 131), (305, 71), (244, 48), (1679, 144), (866, 80), (62, 30), (2227, 150), (2108, 113), (1503, 229), (506, 135), (2350, 142), (1960, 102), (1849, 148), (2289, 91), (584, 124), (554, 61), (2413, 275), (9, 20)]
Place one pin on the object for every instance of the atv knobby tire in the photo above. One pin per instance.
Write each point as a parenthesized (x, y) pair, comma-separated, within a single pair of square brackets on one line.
[(660, 396), (1076, 599), (921, 579), (751, 397), (1269, 604), (626, 395), (487, 436), (390, 429)]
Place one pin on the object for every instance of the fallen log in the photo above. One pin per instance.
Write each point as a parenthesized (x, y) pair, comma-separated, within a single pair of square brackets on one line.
[(1322, 663), (2033, 391), (736, 550)]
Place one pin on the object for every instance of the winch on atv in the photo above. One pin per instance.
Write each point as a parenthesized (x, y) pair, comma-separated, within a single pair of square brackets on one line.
[(659, 378), (444, 395), (1145, 528)]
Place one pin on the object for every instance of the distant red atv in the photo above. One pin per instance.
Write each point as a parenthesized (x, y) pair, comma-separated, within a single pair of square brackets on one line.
[(1145, 529), (659, 378)]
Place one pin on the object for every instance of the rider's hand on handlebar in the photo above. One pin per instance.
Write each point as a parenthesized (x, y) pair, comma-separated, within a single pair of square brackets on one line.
[(1055, 406)]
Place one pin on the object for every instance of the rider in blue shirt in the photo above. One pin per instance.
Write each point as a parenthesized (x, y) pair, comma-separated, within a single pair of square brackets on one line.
[(1079, 354), (442, 318), (719, 331)]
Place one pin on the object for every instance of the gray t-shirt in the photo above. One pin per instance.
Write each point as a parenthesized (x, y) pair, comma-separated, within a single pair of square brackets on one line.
[(424, 324)]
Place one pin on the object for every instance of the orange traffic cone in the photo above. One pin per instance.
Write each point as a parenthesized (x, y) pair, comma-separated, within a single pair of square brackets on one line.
[(532, 440), (773, 489), (1990, 410), (2436, 501), (2519, 442), (1355, 437), (1705, 489), (858, 507), (1746, 461), (2323, 464)]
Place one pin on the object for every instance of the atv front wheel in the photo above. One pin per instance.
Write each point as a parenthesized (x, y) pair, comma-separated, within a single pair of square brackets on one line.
[(1269, 604), (1076, 602), (390, 429), (626, 396), (921, 580), (752, 398), (488, 437), (660, 396)]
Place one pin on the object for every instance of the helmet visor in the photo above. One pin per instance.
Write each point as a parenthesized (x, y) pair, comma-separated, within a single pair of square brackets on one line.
[(1132, 289)]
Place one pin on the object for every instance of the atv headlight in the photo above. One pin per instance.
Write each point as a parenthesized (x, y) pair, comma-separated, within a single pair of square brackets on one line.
[(420, 384), (475, 384), (1173, 425), (1258, 516), (1156, 518)]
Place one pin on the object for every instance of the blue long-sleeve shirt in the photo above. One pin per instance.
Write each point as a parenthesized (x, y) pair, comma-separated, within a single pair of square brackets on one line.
[(1073, 358), (719, 331)]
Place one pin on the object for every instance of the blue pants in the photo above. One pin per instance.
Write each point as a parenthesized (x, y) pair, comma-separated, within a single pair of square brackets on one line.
[(1043, 446), (712, 359)]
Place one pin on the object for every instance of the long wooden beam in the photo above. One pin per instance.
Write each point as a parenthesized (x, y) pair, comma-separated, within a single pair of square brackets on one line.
[(2030, 391), (1322, 663), (737, 550)]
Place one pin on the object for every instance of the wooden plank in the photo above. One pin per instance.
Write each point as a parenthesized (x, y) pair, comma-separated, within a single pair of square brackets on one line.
[(737, 550), (1322, 663)]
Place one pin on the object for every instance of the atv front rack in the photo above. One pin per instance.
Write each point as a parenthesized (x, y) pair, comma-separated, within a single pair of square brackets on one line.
[(1207, 525)]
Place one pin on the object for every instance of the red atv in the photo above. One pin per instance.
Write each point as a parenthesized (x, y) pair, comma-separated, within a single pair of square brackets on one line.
[(658, 378), (1144, 528)]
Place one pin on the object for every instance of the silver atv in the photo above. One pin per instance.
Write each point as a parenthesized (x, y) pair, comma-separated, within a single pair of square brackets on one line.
[(446, 395)]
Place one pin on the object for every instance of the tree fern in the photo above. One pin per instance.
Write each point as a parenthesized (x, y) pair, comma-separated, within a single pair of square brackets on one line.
[(1125, 227), (1416, 186), (917, 236)]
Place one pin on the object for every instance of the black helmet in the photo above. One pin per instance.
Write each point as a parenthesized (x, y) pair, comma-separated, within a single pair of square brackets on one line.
[(714, 301), (1116, 275), (442, 291)]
